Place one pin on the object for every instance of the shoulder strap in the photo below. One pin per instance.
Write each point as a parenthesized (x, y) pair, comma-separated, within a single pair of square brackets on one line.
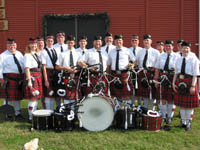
[(35, 56), (52, 60)]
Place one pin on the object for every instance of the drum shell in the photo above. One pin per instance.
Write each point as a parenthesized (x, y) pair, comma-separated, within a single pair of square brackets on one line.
[(152, 123), (60, 122), (42, 122)]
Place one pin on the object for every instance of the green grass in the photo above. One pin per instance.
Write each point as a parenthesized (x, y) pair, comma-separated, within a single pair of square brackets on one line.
[(13, 135)]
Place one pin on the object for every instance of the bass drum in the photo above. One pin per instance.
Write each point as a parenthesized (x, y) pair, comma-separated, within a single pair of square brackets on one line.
[(96, 113)]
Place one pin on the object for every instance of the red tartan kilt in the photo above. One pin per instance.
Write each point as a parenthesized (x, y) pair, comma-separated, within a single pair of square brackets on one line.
[(71, 94), (145, 92), (2, 91), (50, 73), (37, 85), (13, 90), (188, 100), (94, 79), (121, 93)]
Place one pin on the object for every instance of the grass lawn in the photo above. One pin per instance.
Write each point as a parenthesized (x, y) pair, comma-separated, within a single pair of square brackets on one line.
[(13, 135)]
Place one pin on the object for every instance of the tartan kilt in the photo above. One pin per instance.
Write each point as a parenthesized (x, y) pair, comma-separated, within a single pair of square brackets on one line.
[(188, 100), (71, 94), (167, 92), (50, 74), (37, 85), (145, 92), (13, 90), (121, 93), (2, 91), (94, 79)]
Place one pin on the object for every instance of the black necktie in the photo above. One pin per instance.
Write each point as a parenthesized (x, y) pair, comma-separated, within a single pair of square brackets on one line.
[(183, 66), (83, 52), (117, 61), (71, 59), (166, 67), (61, 48), (145, 59), (100, 60), (17, 63), (180, 53), (133, 50), (107, 48)]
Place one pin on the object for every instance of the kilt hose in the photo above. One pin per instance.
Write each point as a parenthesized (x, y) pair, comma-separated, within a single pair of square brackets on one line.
[(13, 89), (123, 93), (72, 93), (50, 73), (167, 92), (94, 80), (145, 92), (188, 100), (37, 85)]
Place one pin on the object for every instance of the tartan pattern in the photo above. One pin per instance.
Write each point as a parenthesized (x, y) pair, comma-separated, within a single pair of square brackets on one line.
[(13, 90), (37, 85), (2, 91), (122, 93), (50, 73), (167, 92), (71, 93), (188, 100), (145, 92), (94, 79)]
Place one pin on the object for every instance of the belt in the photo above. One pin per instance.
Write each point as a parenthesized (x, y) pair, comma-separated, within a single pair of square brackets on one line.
[(183, 76), (119, 71), (35, 69)]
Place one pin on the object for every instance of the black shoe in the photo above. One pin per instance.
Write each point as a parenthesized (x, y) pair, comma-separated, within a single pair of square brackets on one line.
[(9, 117), (19, 117), (188, 127), (29, 121)]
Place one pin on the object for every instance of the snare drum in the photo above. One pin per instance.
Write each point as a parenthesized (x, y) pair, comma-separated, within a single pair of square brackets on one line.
[(152, 121), (96, 113), (42, 119)]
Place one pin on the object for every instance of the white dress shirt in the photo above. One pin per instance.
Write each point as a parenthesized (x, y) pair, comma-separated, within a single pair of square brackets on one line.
[(191, 65), (124, 57), (57, 47), (160, 64), (7, 63), (46, 60), (81, 52), (29, 60), (111, 47), (137, 49), (92, 57), (64, 58), (152, 58)]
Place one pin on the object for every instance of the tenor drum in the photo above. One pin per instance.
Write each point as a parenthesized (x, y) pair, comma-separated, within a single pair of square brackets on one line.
[(42, 119), (96, 113)]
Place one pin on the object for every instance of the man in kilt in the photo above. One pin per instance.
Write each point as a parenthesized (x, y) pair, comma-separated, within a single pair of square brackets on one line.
[(11, 75), (119, 60), (92, 57), (60, 46), (108, 47), (146, 59), (49, 58), (185, 85), (33, 76), (67, 61), (164, 72)]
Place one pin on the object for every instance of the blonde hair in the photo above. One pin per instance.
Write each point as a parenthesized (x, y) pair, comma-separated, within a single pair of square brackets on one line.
[(28, 49)]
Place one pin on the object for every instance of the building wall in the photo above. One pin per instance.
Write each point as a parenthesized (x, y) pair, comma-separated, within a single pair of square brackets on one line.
[(167, 19)]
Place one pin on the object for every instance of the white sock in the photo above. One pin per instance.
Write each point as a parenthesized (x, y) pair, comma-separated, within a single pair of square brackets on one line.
[(164, 110), (189, 113), (152, 101), (9, 102), (146, 102), (170, 110), (52, 104), (133, 100), (32, 106), (183, 118), (139, 101), (16, 105), (192, 114), (47, 102)]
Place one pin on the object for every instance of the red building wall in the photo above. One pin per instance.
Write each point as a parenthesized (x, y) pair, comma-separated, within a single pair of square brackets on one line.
[(169, 19)]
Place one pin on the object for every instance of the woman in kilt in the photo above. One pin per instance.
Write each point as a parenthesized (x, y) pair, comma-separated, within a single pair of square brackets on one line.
[(164, 72), (185, 85), (33, 77)]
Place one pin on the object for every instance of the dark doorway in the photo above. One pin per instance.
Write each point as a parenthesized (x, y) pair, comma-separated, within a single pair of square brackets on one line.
[(77, 25)]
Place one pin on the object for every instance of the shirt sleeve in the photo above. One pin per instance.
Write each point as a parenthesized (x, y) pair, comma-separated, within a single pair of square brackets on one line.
[(59, 60), (43, 57), (1, 67), (196, 67), (27, 61)]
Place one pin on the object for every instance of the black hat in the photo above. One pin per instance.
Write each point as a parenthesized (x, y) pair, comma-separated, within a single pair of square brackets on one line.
[(169, 42), (40, 38), (135, 37), (147, 36), (186, 44), (98, 37), (108, 34), (11, 41), (83, 37), (49, 36), (118, 37), (60, 33), (32, 40), (180, 41), (160, 42), (71, 38)]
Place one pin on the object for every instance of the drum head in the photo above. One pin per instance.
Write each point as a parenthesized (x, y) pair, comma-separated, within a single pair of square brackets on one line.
[(42, 112), (97, 114)]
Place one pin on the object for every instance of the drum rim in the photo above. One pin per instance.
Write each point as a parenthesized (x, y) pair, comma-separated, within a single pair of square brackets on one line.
[(47, 112)]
